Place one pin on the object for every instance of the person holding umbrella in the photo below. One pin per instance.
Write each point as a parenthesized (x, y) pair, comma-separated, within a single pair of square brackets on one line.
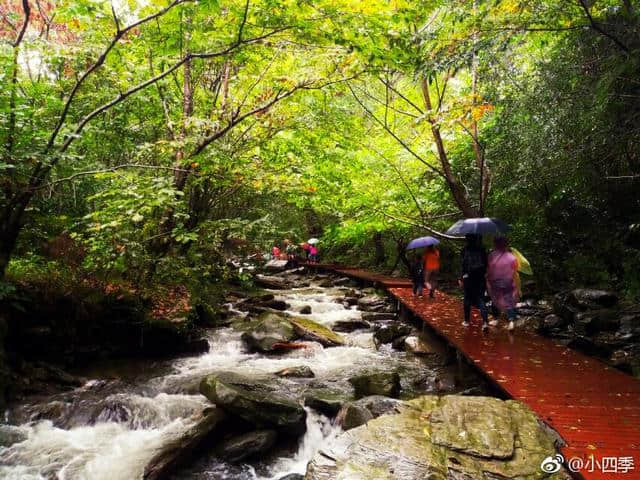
[(474, 261), (313, 250), (429, 263), (474, 269)]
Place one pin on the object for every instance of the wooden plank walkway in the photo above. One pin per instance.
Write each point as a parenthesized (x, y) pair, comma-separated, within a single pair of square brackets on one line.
[(594, 408)]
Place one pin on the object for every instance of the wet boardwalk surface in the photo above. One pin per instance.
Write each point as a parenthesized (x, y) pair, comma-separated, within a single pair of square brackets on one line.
[(594, 408)]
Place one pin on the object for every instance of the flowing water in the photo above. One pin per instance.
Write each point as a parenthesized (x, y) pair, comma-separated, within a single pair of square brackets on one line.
[(110, 428)]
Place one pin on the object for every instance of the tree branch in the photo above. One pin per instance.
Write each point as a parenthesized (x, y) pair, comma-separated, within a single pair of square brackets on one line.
[(239, 118), (107, 170), (153, 80), (114, 41), (390, 132), (244, 21), (26, 8), (418, 225), (388, 85), (599, 29)]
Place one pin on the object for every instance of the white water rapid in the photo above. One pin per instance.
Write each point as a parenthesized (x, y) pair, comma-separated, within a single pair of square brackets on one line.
[(108, 430)]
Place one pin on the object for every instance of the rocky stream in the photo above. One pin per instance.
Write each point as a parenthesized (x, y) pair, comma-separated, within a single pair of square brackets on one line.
[(291, 377)]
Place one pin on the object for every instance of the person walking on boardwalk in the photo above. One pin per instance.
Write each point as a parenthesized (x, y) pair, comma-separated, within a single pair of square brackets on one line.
[(313, 254), (502, 271), (417, 276), (474, 268), (431, 268)]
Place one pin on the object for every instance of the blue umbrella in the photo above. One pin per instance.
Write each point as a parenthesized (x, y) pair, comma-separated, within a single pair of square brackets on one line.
[(422, 242), (478, 226)]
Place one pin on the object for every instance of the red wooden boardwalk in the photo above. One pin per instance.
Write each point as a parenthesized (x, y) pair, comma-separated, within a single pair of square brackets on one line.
[(595, 408)]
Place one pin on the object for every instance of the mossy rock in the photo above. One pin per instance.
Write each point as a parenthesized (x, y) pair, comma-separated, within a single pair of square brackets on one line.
[(404, 445), (256, 405), (316, 332)]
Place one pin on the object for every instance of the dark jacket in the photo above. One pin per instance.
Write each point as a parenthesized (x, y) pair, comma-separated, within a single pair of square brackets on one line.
[(417, 271), (474, 261)]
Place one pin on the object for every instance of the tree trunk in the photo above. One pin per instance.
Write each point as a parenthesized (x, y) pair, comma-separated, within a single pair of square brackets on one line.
[(10, 225), (381, 255), (456, 189)]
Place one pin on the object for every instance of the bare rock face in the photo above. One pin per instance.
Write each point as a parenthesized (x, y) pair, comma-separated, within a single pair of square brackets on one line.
[(440, 438)]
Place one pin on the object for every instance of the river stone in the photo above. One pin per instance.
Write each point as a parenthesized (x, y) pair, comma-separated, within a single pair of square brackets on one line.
[(400, 447), (347, 326), (306, 310), (246, 445), (10, 435), (176, 452), (353, 415), (378, 405), (552, 322), (378, 383), (275, 264), (271, 330), (478, 426), (388, 333), (595, 321), (416, 346), (258, 407), (586, 299), (293, 476), (379, 316), (301, 371), (272, 281), (371, 303), (326, 401), (316, 332)]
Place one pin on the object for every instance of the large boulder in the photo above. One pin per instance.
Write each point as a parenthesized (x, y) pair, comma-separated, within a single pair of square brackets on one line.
[(488, 428), (272, 330), (316, 332), (258, 406), (378, 383), (178, 451), (402, 446), (246, 445)]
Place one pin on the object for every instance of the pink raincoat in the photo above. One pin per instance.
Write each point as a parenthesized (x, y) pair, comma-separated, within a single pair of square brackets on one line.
[(502, 267)]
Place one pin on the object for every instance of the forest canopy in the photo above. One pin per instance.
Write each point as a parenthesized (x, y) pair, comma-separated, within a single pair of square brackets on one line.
[(147, 141)]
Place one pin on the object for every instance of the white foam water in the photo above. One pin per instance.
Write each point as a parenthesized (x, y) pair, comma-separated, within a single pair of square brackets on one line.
[(117, 446)]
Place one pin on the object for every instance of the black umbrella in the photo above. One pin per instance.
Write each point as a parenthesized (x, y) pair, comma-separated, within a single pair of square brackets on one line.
[(478, 226)]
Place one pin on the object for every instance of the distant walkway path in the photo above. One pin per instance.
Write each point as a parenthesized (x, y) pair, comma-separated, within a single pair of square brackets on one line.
[(595, 408)]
